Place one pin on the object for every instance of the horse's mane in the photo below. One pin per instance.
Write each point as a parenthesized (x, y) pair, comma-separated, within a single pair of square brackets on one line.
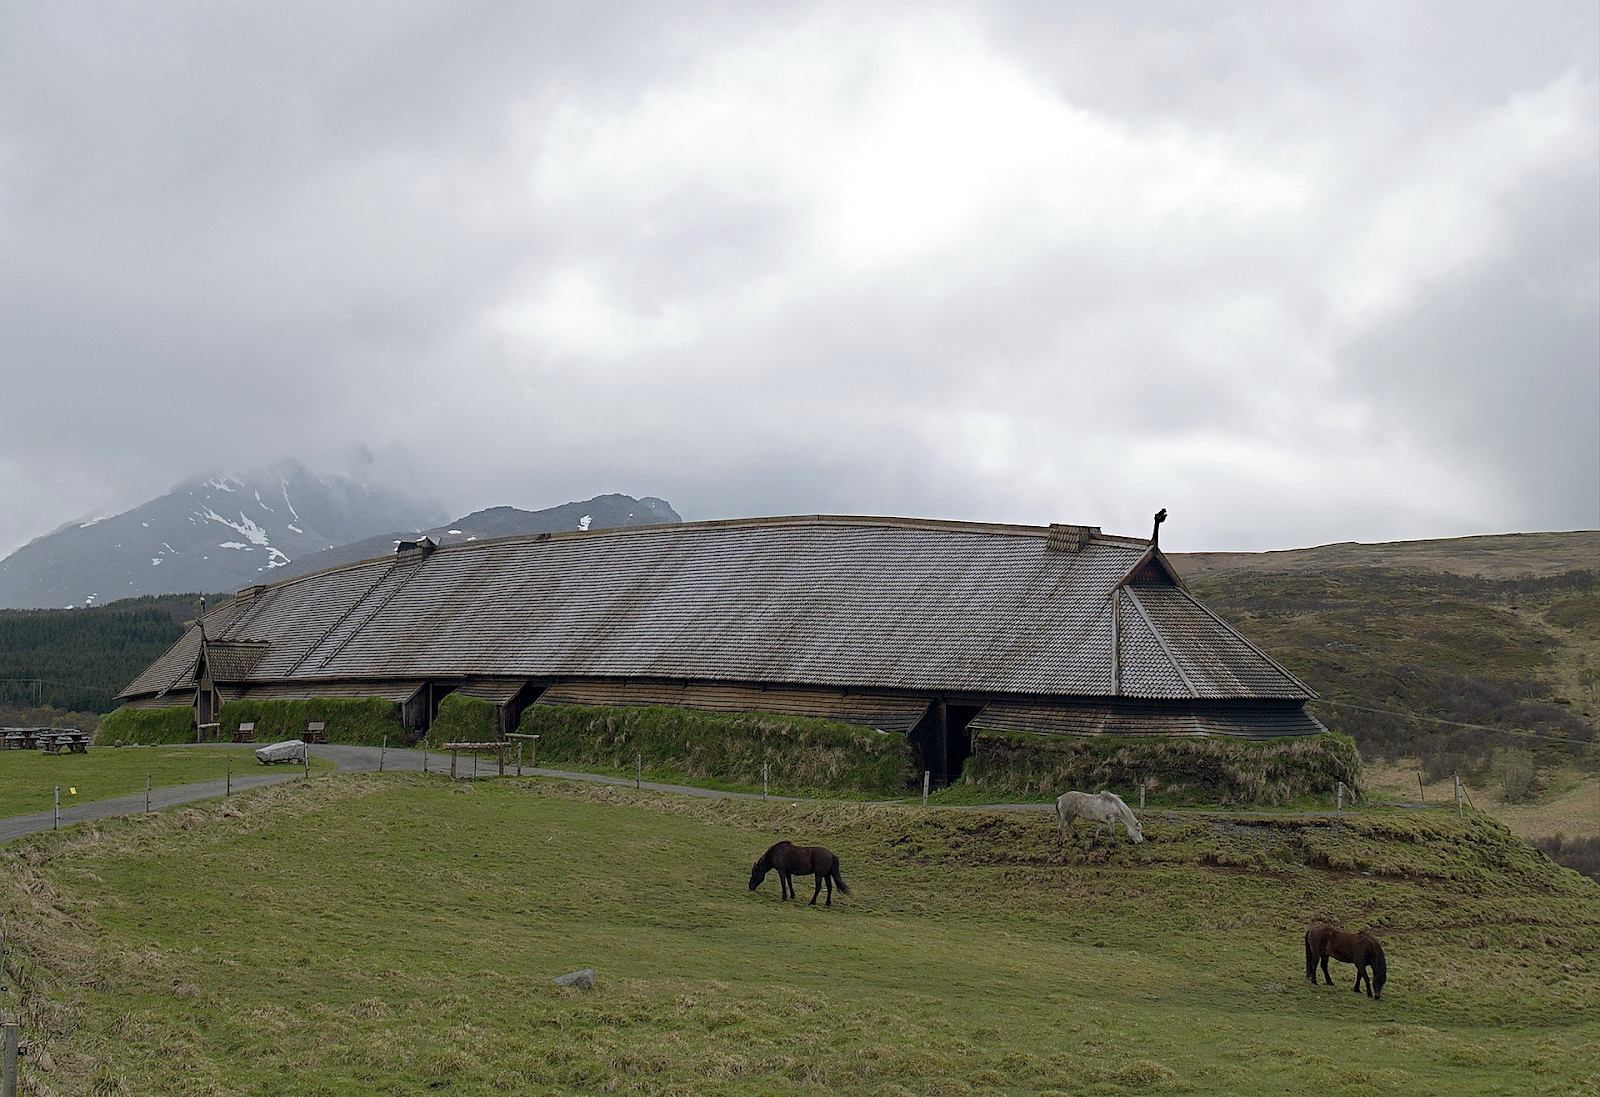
[(1124, 812)]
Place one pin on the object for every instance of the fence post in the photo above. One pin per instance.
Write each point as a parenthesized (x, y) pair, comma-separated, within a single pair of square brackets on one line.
[(638, 771), (519, 759), (926, 776), (147, 794), (382, 752), (764, 767), (1338, 804), (1422, 792), (227, 789), (424, 758), (1457, 776), (1141, 793), (58, 807), (8, 1065)]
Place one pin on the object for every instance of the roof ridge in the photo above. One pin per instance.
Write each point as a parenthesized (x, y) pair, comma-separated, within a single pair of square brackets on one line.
[(949, 525)]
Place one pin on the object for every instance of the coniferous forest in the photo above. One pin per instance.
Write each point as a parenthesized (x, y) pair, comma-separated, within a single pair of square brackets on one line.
[(56, 663)]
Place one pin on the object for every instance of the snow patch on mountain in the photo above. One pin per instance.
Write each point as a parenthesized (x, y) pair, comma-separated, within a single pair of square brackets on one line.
[(252, 532)]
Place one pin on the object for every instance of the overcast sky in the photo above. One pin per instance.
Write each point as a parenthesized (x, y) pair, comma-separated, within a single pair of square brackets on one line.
[(1299, 273)]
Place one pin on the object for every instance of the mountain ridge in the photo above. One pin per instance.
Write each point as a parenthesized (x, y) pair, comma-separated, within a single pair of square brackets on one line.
[(228, 531)]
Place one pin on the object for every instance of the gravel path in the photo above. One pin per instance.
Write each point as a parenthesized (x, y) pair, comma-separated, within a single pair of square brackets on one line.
[(356, 759), (346, 759)]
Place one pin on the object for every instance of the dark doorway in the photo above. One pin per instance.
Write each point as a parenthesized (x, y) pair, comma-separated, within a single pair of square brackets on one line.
[(940, 741), (958, 741)]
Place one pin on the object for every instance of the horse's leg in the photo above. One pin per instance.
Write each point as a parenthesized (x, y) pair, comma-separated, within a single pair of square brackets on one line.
[(1361, 973), (817, 877), (785, 888), (1325, 976)]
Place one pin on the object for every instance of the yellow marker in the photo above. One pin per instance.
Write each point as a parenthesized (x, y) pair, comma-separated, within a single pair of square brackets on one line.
[(72, 791)]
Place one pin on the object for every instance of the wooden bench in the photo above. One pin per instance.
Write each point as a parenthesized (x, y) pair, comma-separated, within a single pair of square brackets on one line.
[(316, 732), (246, 733)]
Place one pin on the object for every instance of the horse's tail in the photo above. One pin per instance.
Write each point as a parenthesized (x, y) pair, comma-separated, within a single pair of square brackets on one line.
[(838, 881)]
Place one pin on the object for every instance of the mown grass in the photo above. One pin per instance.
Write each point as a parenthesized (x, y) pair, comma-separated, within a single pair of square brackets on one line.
[(397, 935), (28, 778)]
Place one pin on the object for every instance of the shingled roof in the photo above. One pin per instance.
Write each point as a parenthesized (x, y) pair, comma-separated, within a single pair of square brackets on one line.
[(829, 602)]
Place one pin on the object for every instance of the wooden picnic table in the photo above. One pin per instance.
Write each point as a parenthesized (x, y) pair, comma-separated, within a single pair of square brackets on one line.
[(63, 742)]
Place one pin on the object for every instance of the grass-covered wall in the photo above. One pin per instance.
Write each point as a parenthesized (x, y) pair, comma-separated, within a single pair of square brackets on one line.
[(802, 754), (463, 720), (147, 725), (1175, 771), (364, 721)]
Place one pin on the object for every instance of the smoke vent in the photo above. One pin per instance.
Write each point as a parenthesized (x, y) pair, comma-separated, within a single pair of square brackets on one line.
[(414, 550), (1069, 539)]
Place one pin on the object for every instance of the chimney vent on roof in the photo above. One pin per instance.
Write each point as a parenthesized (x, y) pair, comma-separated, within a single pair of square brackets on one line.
[(1070, 539), (414, 550)]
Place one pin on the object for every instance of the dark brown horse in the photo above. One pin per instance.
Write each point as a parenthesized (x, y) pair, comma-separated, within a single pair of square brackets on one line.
[(792, 860), (1361, 949)]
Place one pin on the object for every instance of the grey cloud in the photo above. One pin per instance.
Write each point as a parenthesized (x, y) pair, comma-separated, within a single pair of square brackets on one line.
[(231, 233)]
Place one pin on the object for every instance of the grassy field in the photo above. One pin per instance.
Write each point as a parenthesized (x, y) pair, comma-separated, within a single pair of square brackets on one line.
[(394, 934), (28, 778)]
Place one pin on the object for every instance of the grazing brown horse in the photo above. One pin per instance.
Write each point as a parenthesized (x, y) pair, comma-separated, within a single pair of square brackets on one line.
[(1361, 949), (792, 860)]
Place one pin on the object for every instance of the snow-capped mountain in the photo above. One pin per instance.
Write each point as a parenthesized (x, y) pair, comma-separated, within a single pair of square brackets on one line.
[(217, 533), (601, 512)]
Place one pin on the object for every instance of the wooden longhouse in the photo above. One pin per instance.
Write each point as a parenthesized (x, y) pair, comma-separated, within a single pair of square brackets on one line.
[(937, 630)]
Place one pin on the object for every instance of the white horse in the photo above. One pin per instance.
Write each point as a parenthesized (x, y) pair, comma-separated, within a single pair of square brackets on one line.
[(1104, 808)]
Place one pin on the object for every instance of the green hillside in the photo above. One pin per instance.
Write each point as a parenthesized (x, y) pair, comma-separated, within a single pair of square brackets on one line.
[(1495, 556), (1424, 663)]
